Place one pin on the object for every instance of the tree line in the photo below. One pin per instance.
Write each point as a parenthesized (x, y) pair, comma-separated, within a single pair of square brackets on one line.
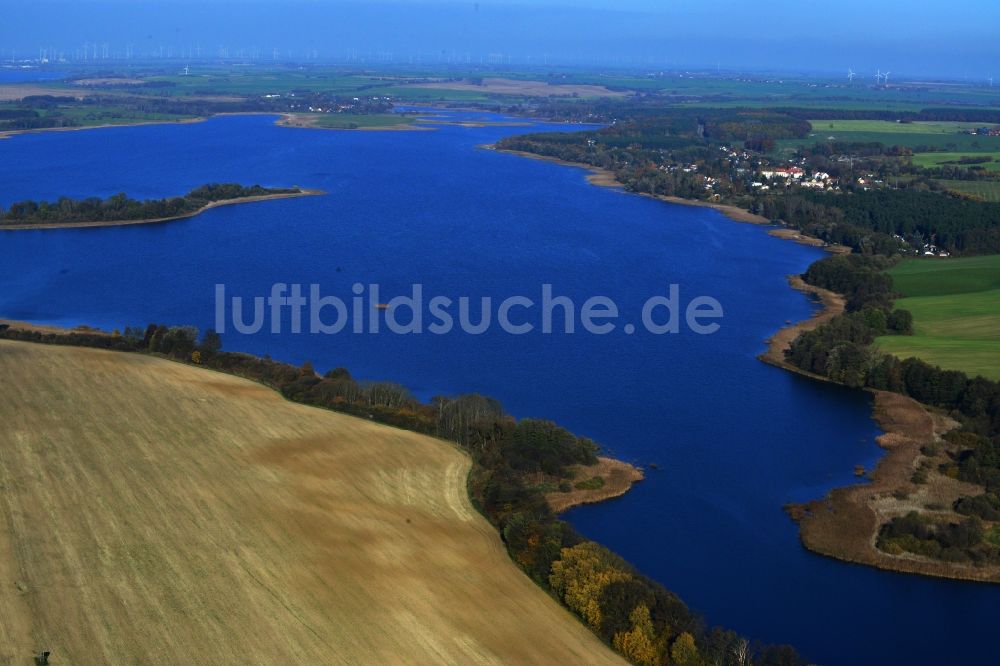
[(874, 221)]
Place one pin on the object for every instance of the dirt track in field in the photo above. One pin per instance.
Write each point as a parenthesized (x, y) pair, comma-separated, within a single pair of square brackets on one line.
[(157, 513)]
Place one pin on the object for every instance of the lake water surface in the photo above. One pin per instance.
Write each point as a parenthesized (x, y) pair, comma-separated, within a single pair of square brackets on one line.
[(734, 439)]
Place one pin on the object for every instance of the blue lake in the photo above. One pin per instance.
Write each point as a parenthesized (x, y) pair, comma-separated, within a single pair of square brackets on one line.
[(18, 74), (734, 439)]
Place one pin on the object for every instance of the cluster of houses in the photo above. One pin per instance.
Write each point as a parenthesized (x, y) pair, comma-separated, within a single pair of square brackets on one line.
[(355, 105), (931, 250), (983, 131), (926, 249), (793, 175)]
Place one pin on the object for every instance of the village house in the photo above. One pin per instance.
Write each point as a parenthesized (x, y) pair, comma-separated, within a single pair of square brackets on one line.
[(782, 172)]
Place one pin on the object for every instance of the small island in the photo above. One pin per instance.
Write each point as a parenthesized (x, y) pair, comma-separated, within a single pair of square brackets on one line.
[(120, 210)]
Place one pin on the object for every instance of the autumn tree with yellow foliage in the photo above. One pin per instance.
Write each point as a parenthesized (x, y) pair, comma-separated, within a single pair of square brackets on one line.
[(639, 644), (581, 574)]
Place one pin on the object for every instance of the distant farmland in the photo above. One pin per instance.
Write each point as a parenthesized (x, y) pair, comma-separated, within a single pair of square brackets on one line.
[(956, 311), (937, 135), (939, 159), (157, 513), (987, 190), (891, 127)]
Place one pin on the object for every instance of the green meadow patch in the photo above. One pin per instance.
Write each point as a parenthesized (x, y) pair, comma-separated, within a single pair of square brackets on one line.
[(927, 160), (938, 136), (361, 121), (891, 127), (956, 313)]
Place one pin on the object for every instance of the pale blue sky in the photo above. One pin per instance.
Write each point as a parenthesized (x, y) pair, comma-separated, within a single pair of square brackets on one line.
[(908, 37)]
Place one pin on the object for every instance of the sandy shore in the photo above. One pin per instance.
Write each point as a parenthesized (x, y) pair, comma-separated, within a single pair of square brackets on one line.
[(157, 220), (832, 304), (607, 178), (597, 175), (845, 524), (619, 477)]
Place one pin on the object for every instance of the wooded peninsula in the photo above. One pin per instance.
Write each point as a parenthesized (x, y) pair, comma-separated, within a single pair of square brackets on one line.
[(119, 209)]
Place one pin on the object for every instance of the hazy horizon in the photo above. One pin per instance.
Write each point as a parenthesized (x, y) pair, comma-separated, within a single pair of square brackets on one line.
[(909, 39)]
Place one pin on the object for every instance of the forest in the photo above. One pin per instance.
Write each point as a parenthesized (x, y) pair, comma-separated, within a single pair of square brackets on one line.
[(119, 207), (871, 221), (637, 616)]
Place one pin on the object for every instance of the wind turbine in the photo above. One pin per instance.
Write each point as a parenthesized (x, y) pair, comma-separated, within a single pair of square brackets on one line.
[(850, 75), (885, 79), (878, 76)]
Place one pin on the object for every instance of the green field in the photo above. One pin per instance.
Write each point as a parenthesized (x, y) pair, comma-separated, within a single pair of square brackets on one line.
[(362, 121), (944, 136), (938, 159), (889, 127), (956, 313), (987, 190)]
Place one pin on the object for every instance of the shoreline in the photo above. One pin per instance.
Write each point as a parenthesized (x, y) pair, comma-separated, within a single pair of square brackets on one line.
[(606, 178), (159, 220), (845, 523), (618, 478), (6, 134), (831, 305), (282, 117)]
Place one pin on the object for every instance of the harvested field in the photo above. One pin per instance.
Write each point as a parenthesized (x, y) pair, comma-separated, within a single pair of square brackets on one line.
[(158, 513), (17, 91), (498, 86)]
